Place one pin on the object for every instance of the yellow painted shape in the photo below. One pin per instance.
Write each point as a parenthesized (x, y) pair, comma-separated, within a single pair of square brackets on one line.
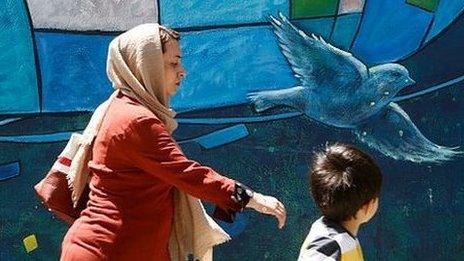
[(30, 243)]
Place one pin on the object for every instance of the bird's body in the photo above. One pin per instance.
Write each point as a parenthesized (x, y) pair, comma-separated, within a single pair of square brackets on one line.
[(339, 90)]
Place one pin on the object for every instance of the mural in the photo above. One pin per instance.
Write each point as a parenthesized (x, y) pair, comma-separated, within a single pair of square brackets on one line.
[(262, 93), (339, 90)]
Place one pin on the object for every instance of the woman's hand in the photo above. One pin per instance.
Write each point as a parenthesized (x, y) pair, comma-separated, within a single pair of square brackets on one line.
[(268, 205)]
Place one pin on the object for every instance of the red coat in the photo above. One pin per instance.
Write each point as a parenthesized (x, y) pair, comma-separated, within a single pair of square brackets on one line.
[(135, 166)]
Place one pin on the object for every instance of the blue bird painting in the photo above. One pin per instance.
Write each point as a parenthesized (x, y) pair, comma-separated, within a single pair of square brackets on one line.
[(339, 90)]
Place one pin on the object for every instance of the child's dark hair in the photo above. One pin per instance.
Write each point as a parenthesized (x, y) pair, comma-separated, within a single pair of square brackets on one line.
[(343, 179)]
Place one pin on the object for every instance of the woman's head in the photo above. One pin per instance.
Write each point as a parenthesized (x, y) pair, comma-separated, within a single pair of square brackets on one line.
[(141, 64), (173, 69)]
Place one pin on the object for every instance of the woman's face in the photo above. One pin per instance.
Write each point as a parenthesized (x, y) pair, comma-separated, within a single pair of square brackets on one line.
[(173, 70)]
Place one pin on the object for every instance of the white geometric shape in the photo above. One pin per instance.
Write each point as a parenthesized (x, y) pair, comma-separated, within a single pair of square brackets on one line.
[(92, 15), (350, 6)]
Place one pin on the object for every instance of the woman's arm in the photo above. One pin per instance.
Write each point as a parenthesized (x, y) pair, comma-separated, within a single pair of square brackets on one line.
[(154, 151), (157, 153)]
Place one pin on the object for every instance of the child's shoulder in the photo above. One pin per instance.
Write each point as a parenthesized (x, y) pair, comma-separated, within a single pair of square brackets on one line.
[(326, 241)]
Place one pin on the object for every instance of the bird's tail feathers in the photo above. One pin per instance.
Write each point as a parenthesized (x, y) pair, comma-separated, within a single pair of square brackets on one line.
[(394, 134)]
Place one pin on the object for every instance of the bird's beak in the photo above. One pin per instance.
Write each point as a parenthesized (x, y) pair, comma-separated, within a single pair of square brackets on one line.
[(409, 81)]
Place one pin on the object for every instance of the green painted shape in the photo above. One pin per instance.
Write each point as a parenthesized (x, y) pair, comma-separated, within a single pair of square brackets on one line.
[(313, 8), (429, 5)]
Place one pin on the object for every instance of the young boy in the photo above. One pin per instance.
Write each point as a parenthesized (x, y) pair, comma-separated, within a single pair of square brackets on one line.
[(345, 184)]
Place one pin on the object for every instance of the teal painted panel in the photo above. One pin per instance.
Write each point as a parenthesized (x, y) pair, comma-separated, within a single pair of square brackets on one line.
[(345, 30), (318, 26), (177, 13), (18, 78)]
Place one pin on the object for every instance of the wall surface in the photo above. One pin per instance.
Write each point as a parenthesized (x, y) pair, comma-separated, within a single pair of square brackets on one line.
[(52, 75)]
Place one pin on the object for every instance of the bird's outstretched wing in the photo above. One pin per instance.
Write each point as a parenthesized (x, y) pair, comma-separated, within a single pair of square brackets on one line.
[(394, 134), (314, 61)]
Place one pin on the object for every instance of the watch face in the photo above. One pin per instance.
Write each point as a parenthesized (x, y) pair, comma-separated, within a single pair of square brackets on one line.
[(249, 192)]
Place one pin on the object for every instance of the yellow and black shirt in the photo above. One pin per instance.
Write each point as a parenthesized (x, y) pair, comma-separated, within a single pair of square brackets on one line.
[(328, 240)]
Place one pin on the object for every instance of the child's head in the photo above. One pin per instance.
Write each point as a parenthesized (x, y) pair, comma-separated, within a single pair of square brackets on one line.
[(345, 183)]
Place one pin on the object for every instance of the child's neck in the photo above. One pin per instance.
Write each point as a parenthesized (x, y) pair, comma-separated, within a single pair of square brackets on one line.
[(352, 226)]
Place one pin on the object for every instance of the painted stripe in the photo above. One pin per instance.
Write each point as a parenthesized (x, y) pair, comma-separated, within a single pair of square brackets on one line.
[(6, 121), (214, 121), (55, 137), (38, 72), (224, 136), (220, 137), (9, 170), (429, 89)]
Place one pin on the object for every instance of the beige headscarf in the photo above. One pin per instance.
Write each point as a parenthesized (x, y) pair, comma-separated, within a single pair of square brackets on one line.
[(135, 66)]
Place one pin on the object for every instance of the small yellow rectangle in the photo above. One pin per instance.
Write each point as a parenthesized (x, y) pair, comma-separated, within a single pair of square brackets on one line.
[(30, 243)]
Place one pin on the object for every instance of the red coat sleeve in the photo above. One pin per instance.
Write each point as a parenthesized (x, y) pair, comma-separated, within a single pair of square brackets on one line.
[(154, 151)]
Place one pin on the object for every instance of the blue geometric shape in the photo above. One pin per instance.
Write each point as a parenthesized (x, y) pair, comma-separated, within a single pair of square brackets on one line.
[(223, 136), (73, 71), (179, 13), (447, 11), (345, 30), (18, 77), (224, 65), (318, 26), (39, 138), (390, 30), (9, 170), (238, 226)]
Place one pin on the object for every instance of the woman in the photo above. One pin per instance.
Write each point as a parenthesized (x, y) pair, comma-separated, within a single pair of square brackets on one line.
[(137, 167)]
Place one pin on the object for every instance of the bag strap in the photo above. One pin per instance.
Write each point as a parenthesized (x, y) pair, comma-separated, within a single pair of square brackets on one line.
[(78, 171)]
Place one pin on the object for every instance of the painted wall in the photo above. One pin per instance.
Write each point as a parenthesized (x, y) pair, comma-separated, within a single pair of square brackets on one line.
[(52, 75)]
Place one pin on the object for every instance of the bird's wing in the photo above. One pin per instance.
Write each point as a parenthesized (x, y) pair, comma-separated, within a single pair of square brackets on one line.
[(394, 134), (314, 61)]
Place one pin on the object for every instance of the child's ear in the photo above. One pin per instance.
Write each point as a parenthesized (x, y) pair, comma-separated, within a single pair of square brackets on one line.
[(367, 208)]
